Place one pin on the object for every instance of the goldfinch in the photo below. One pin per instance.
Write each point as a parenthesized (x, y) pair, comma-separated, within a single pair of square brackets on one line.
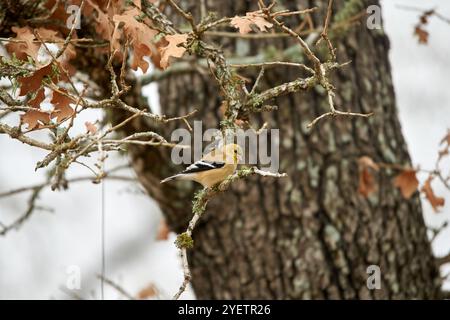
[(213, 168)]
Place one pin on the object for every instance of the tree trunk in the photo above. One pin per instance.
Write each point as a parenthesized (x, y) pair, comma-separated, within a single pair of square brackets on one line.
[(311, 235)]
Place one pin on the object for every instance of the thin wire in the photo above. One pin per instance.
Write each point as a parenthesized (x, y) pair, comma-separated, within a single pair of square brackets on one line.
[(103, 243)]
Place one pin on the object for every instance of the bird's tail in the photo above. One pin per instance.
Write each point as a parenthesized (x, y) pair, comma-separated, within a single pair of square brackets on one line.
[(170, 178)]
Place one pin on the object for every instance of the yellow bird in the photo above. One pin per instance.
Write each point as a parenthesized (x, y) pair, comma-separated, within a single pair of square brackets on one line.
[(213, 168)]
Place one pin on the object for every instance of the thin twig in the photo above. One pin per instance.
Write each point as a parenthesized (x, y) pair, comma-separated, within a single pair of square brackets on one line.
[(117, 287)]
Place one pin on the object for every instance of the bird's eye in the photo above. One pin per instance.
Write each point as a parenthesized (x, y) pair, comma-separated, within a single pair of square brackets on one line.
[(235, 151)]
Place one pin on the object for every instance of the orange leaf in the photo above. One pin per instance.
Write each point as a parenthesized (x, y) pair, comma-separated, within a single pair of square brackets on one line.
[(172, 49), (104, 26), (261, 23), (407, 182), (140, 34), (36, 101), (34, 118), (91, 128), (62, 108), (26, 47), (435, 202), (156, 54), (148, 292), (443, 153), (163, 231), (242, 23), (251, 18), (421, 34), (33, 83), (366, 161), (48, 34), (367, 183), (139, 52), (59, 13), (68, 54)]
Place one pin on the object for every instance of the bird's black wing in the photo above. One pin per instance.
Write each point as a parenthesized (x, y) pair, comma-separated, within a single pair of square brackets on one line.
[(203, 165)]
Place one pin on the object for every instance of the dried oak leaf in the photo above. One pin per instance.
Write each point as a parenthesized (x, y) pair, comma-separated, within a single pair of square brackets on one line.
[(141, 37), (69, 52), (39, 97), (33, 83), (407, 182), (35, 119), (443, 153), (367, 183), (172, 48), (156, 54), (104, 26), (251, 18), (25, 46), (422, 34), (366, 161), (163, 231), (90, 127), (242, 23), (260, 22), (49, 34), (148, 292), (435, 201), (62, 109), (59, 12), (424, 17)]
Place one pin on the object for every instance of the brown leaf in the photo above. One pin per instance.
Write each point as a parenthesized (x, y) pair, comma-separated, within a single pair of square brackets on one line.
[(251, 18), (36, 101), (59, 13), (163, 231), (35, 118), (49, 34), (69, 52), (366, 161), (26, 47), (90, 127), (424, 17), (156, 54), (33, 83), (104, 27), (62, 108), (172, 49), (261, 23), (407, 182), (139, 52), (421, 34), (367, 183), (141, 37), (435, 201), (242, 23), (443, 153)]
